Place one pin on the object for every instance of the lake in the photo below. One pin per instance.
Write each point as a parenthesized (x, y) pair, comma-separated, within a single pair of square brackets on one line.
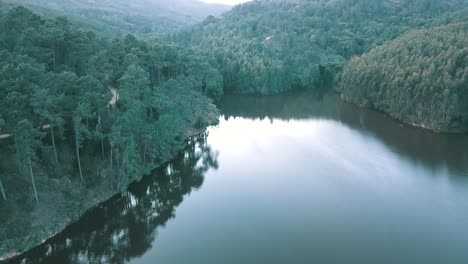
[(297, 178)]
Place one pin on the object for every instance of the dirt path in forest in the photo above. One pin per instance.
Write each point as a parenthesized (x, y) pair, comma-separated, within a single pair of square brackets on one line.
[(3, 136), (115, 97)]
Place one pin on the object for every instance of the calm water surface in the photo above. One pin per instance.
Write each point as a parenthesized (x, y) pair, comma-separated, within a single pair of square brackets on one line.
[(300, 178)]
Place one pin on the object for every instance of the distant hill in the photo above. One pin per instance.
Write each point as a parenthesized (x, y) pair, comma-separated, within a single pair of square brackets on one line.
[(270, 46), (142, 18), (420, 78)]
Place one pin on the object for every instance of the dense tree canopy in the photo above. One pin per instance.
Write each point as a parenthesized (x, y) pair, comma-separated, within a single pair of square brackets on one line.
[(270, 46), (136, 214), (420, 78), (77, 108), (143, 18), (82, 116), (84, 113)]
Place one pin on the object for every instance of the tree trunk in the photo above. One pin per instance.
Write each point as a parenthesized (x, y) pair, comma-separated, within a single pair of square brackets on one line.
[(79, 161), (53, 143), (32, 179), (122, 164), (111, 167), (144, 154), (118, 161), (111, 157), (54, 57), (102, 138), (159, 76), (2, 190), (18, 156), (77, 148), (102, 147)]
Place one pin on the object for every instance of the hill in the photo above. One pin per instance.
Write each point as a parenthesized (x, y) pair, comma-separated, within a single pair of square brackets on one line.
[(270, 46), (144, 18), (83, 115), (420, 78)]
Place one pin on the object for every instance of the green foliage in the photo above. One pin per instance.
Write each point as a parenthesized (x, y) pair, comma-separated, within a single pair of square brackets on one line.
[(27, 141), (118, 17), (2, 123), (272, 46), (57, 79), (148, 205), (420, 78), (134, 84)]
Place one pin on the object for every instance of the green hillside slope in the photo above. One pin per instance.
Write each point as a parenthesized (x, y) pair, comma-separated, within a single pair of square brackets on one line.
[(420, 78), (139, 17), (271, 46)]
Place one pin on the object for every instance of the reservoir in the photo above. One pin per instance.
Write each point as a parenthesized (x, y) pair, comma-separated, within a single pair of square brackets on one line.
[(296, 178)]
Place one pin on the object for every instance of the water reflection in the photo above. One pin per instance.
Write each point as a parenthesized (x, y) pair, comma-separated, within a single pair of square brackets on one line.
[(290, 106), (125, 227), (305, 178), (430, 149)]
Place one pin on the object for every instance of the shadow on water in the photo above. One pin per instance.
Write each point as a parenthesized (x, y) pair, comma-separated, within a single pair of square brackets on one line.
[(125, 227), (430, 149), (289, 106)]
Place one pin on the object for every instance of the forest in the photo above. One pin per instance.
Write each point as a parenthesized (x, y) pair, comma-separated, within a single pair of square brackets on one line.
[(96, 94), (142, 18), (148, 205), (420, 78), (83, 115), (273, 46)]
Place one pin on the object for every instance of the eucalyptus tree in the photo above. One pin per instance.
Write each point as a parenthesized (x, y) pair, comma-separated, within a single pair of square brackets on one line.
[(47, 104), (2, 190), (55, 38), (208, 80), (28, 140), (116, 139), (155, 60), (96, 97), (2, 123), (81, 131), (134, 85), (126, 140)]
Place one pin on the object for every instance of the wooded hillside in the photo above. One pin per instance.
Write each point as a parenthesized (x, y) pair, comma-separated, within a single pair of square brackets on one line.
[(270, 46), (420, 78), (82, 116), (142, 18)]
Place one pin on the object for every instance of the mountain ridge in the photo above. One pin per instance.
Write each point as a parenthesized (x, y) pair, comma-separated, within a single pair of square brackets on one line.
[(143, 18)]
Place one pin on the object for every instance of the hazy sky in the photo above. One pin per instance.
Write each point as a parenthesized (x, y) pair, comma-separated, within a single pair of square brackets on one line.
[(227, 2)]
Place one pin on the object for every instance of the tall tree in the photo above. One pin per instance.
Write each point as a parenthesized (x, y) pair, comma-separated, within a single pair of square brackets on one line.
[(2, 190), (82, 112), (28, 140), (47, 104), (134, 85), (2, 123)]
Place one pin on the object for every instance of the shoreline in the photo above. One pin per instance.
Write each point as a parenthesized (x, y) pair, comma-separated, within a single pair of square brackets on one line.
[(404, 122), (193, 132)]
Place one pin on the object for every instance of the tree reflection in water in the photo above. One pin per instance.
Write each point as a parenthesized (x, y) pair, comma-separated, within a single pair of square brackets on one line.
[(125, 227), (428, 148)]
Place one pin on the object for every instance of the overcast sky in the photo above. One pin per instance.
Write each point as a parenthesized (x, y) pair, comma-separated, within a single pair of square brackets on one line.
[(226, 2)]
